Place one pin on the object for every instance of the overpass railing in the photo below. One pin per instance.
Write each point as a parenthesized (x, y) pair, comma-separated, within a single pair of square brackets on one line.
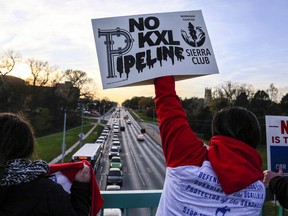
[(131, 199)]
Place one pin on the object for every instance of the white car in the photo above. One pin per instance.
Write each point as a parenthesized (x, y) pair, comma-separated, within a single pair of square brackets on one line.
[(117, 143), (114, 151), (101, 137), (115, 139), (104, 134), (115, 136), (112, 212), (115, 131), (113, 188), (140, 137)]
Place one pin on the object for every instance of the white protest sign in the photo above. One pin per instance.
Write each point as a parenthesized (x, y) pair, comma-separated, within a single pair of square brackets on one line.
[(277, 142), (133, 50)]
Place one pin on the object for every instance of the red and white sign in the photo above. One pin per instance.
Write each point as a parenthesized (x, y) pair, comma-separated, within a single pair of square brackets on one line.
[(277, 142), (133, 50)]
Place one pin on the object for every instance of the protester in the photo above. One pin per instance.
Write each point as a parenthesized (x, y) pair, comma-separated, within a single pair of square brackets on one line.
[(26, 188), (226, 177), (278, 185)]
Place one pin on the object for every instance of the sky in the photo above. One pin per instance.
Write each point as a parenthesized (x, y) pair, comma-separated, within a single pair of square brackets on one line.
[(249, 39)]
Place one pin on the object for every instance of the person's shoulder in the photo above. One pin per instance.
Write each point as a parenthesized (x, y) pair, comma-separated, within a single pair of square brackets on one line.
[(49, 185)]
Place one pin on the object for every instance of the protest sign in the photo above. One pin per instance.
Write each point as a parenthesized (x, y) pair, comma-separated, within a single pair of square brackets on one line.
[(277, 142), (133, 50)]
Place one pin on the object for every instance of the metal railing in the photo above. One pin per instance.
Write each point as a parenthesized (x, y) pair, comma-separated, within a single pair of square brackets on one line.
[(131, 199)]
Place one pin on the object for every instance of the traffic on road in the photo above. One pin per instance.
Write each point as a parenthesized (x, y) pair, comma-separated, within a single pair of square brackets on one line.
[(130, 158)]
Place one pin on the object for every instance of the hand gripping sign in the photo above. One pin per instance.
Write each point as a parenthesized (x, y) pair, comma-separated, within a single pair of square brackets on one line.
[(133, 50)]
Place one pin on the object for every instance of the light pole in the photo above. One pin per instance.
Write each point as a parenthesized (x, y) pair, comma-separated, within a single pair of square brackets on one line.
[(81, 131), (153, 119), (103, 111), (64, 135)]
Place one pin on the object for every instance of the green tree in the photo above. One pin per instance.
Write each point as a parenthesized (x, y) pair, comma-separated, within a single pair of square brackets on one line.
[(284, 104), (13, 93), (78, 78), (43, 121), (242, 100), (260, 103)]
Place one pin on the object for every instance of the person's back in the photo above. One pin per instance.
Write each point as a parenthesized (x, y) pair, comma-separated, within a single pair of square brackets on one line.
[(37, 198), (224, 179), (25, 187)]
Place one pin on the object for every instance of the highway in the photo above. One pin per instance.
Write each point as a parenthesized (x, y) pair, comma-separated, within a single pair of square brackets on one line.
[(143, 161)]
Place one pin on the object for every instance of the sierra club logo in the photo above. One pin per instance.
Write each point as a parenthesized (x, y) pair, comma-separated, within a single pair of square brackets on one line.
[(197, 35)]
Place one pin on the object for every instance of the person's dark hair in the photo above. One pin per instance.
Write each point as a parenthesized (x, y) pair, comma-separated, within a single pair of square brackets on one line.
[(239, 123), (16, 137)]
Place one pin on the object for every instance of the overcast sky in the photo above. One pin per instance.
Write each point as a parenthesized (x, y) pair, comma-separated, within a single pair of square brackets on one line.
[(249, 38)]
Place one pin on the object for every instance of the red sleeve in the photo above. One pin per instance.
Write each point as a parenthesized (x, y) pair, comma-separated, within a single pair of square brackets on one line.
[(180, 144)]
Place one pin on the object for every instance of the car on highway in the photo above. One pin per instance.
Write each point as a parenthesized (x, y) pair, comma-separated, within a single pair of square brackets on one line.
[(116, 162), (128, 121), (140, 137), (100, 142), (108, 126), (106, 130), (115, 138), (113, 188), (117, 144), (101, 137), (114, 151), (115, 131), (112, 212), (105, 133), (114, 176)]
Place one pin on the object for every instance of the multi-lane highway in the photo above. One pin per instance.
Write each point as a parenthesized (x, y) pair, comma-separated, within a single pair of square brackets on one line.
[(143, 161)]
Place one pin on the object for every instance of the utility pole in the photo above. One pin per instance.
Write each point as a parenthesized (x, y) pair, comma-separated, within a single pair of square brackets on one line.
[(64, 136), (81, 131), (103, 111)]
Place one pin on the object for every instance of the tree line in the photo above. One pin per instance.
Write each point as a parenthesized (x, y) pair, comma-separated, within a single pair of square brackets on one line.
[(200, 111), (47, 94)]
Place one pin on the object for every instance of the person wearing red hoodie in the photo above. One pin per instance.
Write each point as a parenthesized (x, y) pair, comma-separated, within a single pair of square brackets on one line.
[(26, 187), (222, 179)]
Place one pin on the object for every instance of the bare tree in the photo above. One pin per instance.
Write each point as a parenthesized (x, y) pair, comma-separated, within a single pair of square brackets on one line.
[(272, 92), (55, 78), (41, 71), (230, 91), (8, 61)]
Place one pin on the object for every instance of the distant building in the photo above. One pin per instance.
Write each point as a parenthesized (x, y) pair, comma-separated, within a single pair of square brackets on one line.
[(207, 96)]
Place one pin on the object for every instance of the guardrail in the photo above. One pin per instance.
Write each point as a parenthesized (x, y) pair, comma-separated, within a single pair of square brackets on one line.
[(130, 199)]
